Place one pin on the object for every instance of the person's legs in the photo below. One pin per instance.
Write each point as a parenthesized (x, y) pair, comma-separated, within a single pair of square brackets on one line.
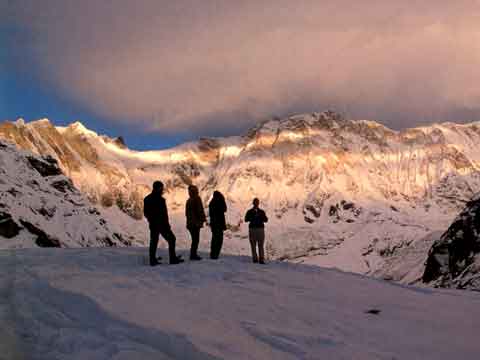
[(213, 244), (152, 251), (195, 234), (261, 242), (253, 244), (217, 241), (169, 236)]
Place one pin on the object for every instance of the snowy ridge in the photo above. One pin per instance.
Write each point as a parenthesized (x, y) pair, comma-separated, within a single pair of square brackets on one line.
[(39, 206), (344, 193)]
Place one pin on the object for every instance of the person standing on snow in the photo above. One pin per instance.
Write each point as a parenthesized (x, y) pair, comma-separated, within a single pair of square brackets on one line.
[(216, 210), (195, 219), (256, 218), (155, 210)]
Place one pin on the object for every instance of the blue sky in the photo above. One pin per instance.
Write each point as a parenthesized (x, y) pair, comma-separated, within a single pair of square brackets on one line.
[(22, 96), (160, 72)]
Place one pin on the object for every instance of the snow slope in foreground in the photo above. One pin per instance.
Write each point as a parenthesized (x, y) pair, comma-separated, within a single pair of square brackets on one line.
[(105, 303)]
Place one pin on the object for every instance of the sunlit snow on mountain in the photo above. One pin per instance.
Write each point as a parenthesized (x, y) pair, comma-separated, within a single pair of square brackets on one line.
[(342, 193)]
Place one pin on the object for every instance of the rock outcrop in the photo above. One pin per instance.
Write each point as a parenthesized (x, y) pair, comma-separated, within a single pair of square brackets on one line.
[(454, 260), (8, 227)]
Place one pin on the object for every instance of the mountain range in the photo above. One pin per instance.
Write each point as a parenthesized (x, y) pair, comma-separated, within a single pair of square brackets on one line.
[(351, 194)]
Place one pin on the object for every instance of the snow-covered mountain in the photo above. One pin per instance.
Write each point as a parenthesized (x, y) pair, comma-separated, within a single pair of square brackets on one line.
[(39, 206), (349, 194)]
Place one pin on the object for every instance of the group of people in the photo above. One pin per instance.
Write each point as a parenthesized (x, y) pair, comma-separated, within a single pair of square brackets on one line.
[(155, 210)]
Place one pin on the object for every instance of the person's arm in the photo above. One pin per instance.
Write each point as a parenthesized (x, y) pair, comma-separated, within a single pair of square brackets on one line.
[(201, 211), (146, 209), (224, 206), (210, 212), (265, 218), (165, 220), (248, 216)]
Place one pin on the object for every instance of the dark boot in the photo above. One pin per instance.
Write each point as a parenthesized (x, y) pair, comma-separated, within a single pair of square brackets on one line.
[(176, 260), (169, 236)]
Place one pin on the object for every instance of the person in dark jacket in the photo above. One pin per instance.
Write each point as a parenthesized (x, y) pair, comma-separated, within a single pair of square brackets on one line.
[(155, 210), (195, 219), (256, 218), (216, 210)]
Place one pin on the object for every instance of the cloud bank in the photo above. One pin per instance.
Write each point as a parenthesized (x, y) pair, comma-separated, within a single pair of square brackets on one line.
[(211, 66)]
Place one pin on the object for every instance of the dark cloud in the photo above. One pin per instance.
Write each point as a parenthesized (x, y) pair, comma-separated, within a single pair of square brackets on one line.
[(214, 66)]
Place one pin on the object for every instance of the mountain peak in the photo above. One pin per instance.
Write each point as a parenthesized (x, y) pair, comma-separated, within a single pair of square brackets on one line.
[(20, 122), (41, 122), (78, 128), (325, 119), (77, 125)]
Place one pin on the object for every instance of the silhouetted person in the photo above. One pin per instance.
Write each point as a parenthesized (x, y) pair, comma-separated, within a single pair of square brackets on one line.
[(155, 210), (216, 210), (195, 219), (256, 218)]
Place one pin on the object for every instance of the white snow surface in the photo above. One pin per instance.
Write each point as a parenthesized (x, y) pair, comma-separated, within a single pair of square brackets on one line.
[(106, 303)]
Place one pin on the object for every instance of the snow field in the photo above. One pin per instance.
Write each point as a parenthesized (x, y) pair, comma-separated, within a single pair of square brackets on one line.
[(105, 303)]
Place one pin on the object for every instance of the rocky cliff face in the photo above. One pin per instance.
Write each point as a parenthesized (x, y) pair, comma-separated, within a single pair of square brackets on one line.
[(39, 206), (454, 259), (349, 194), (82, 155)]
